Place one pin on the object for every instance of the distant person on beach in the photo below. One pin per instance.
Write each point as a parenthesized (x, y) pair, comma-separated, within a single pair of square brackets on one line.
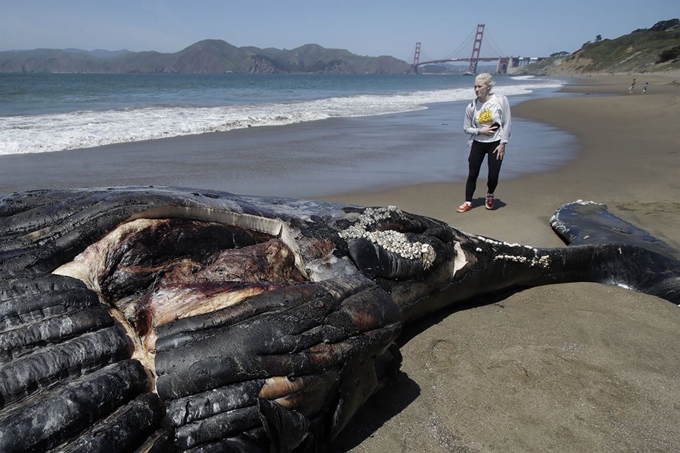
[(488, 121), (644, 88), (632, 86)]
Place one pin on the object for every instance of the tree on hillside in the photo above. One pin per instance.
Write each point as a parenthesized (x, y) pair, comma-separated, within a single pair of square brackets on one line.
[(598, 38), (669, 55)]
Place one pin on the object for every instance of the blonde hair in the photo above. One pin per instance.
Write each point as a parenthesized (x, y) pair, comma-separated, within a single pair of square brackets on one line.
[(485, 78)]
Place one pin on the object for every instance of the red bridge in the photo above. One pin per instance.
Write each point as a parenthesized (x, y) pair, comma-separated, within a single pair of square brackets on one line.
[(504, 65)]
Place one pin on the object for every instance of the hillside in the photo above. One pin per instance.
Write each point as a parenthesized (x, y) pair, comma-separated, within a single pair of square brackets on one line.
[(653, 49), (204, 57)]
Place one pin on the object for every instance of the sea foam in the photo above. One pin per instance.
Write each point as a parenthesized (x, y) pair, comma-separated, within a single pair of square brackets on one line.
[(90, 128)]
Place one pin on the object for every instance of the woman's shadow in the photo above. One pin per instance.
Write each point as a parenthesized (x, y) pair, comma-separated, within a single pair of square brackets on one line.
[(480, 201)]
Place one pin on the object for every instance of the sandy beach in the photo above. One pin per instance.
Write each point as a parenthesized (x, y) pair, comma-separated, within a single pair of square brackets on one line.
[(562, 368), (574, 367)]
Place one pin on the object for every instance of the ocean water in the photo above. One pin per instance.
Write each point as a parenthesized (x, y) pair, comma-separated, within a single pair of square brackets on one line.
[(42, 113)]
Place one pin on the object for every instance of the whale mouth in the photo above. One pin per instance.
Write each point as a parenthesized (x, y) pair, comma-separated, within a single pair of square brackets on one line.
[(154, 271)]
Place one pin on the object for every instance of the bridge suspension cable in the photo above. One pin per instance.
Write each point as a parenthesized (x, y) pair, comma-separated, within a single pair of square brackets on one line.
[(425, 56), (460, 48), (495, 47)]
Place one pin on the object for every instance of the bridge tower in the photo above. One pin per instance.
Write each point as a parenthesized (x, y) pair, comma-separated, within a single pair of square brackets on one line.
[(416, 58), (476, 47)]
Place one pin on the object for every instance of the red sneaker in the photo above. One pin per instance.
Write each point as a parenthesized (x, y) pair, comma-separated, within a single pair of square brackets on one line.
[(490, 200), (465, 207)]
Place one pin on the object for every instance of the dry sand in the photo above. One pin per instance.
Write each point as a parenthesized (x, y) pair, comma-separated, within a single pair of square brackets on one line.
[(574, 367)]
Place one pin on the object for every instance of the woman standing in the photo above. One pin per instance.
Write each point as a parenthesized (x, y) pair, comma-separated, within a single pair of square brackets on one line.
[(488, 121)]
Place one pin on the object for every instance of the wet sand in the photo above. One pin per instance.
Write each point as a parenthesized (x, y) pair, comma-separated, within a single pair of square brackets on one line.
[(568, 368)]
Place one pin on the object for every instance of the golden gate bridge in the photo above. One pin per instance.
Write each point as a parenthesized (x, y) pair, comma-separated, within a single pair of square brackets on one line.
[(504, 64)]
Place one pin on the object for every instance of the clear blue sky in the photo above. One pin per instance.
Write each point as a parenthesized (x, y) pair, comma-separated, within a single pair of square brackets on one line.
[(364, 27)]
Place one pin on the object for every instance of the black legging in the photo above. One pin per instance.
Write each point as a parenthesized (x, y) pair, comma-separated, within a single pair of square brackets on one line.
[(477, 153)]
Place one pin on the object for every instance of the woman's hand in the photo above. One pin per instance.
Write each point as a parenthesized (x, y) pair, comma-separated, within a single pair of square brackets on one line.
[(487, 130), (500, 151)]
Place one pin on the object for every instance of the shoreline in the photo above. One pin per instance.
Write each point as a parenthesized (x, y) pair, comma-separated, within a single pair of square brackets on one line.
[(610, 125), (304, 160), (570, 367)]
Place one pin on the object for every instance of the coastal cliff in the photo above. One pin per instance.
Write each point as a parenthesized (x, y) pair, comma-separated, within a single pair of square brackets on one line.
[(655, 49)]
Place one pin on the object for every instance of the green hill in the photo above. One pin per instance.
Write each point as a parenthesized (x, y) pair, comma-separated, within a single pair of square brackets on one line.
[(209, 56), (652, 49)]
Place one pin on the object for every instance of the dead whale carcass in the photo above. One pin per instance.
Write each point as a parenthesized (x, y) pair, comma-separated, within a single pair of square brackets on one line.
[(175, 319)]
